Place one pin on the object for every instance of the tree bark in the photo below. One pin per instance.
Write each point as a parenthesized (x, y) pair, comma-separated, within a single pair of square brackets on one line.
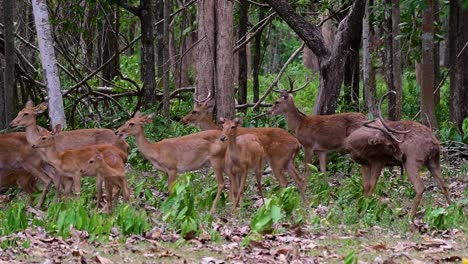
[(224, 59), (437, 45), (455, 85), (368, 71), (427, 90), (330, 62), (49, 62), (10, 61), (166, 66), (111, 44), (396, 102), (206, 52), (242, 52), (147, 53), (256, 61)]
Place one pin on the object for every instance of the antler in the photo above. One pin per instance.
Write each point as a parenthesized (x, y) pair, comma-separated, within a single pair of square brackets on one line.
[(385, 131), (381, 119), (203, 100)]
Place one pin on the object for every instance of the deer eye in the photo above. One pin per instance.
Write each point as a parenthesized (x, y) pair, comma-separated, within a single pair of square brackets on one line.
[(131, 124), (91, 161), (44, 138), (233, 127), (194, 112), (26, 114)]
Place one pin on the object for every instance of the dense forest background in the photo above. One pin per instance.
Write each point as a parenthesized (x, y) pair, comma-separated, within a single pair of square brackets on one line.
[(103, 57)]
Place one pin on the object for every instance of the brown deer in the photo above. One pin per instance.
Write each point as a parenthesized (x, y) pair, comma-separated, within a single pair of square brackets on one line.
[(180, 154), (113, 176), (69, 163), (244, 152), (66, 140), (17, 154), (19, 178), (280, 146), (317, 133), (410, 143)]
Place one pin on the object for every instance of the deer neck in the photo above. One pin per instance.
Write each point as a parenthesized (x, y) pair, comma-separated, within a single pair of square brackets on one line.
[(32, 133), (233, 149), (143, 144), (293, 116), (52, 155), (207, 123)]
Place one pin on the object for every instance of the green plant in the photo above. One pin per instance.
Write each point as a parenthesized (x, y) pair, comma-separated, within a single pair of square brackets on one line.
[(445, 218)]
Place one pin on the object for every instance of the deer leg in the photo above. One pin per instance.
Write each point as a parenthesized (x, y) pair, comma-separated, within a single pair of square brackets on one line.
[(109, 194), (278, 169), (232, 186), (218, 169), (171, 177), (323, 162), (125, 189), (77, 184), (43, 177), (240, 190), (258, 177), (308, 154), (99, 181), (434, 167), (301, 183), (366, 179), (413, 168), (371, 181)]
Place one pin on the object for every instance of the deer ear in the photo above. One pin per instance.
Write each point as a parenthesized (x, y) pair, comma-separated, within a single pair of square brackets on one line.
[(285, 95), (41, 108), (209, 105), (238, 120), (374, 141), (29, 104), (57, 129), (147, 119), (137, 114), (222, 120)]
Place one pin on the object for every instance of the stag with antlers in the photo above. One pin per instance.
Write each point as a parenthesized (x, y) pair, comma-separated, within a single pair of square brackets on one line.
[(410, 143), (316, 133)]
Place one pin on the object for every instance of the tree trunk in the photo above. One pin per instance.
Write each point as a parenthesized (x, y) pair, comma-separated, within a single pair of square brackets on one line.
[(463, 64), (206, 55), (351, 73), (437, 30), (224, 59), (159, 14), (368, 71), (49, 62), (330, 62), (455, 85), (396, 102), (111, 44), (256, 61), (242, 52), (8, 110), (427, 90), (147, 53), (166, 67)]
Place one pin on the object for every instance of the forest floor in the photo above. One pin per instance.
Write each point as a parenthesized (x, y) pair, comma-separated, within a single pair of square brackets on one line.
[(305, 243)]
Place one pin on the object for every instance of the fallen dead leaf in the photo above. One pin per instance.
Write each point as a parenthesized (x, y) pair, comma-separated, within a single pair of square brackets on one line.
[(102, 260)]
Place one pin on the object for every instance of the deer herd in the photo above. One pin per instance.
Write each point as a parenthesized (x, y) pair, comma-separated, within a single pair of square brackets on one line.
[(62, 158)]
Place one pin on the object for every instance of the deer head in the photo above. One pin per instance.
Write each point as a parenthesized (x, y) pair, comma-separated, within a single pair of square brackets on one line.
[(229, 128), (202, 110), (47, 138), (134, 125), (27, 115)]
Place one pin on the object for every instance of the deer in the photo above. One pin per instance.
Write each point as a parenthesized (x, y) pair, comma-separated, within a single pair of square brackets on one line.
[(244, 152), (113, 176), (279, 145), (66, 140), (17, 155), (180, 154), (69, 163), (21, 178), (379, 142), (316, 133)]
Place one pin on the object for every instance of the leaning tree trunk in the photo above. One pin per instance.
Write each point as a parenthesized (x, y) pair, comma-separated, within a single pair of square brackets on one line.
[(205, 57), (427, 90), (224, 59), (368, 72), (10, 60), (330, 61), (396, 102), (49, 62)]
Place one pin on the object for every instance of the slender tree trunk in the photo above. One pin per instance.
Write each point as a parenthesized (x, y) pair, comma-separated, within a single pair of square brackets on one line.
[(242, 53), (368, 71), (351, 72), (159, 14), (111, 44), (224, 59), (437, 30), (166, 78), (396, 102), (10, 60), (147, 53), (427, 90), (49, 62), (455, 85), (463, 64), (206, 51), (256, 61)]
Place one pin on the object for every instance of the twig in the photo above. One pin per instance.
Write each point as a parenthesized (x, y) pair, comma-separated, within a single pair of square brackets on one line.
[(265, 22), (278, 77), (247, 105)]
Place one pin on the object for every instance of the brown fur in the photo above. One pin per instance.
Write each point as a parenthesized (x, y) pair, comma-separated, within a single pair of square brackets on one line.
[(317, 133), (373, 149), (69, 163), (176, 155), (280, 146), (19, 178), (244, 152)]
